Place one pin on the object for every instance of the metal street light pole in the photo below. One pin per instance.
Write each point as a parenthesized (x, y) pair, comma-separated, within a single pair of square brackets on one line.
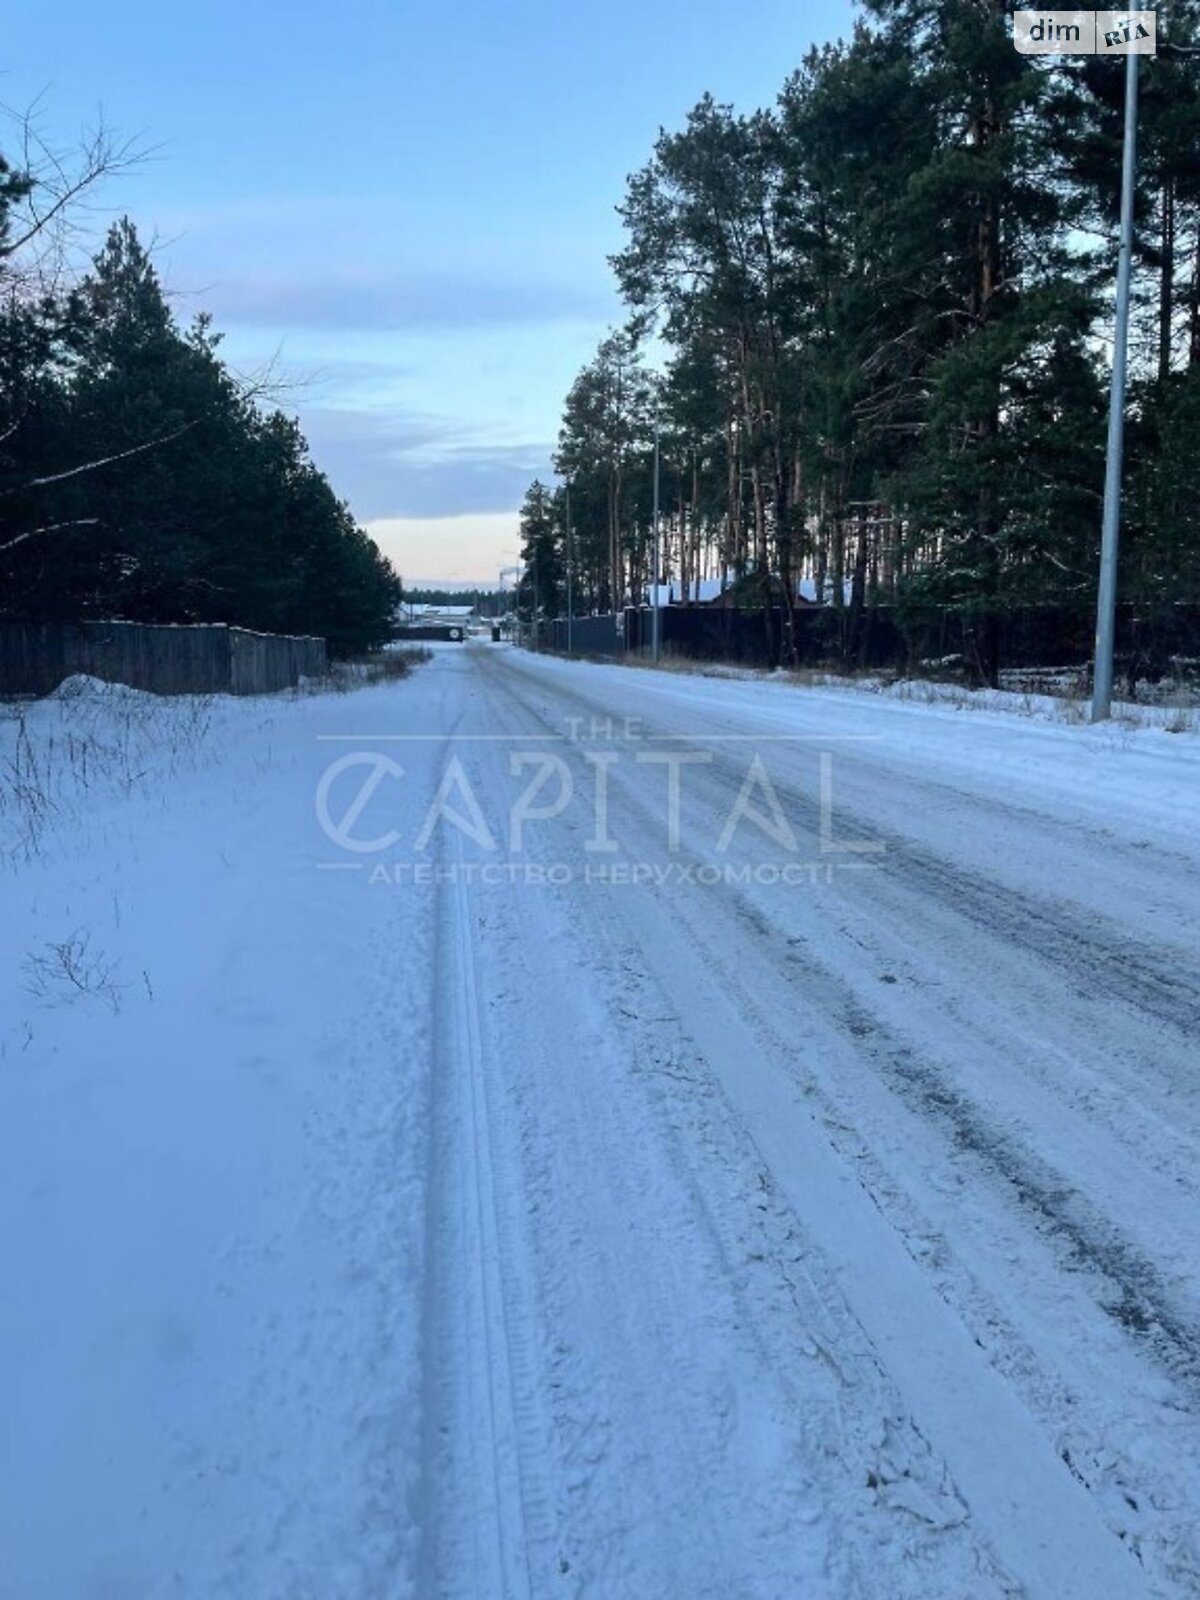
[(654, 622), (1106, 599), (537, 612), (570, 563)]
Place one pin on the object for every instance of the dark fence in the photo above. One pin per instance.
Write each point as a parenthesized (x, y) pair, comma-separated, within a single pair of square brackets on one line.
[(590, 636), (749, 638), (445, 632), (35, 657), (1150, 641)]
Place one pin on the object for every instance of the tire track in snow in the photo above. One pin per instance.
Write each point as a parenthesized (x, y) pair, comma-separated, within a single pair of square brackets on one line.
[(660, 1490), (1094, 952), (1155, 982), (480, 1373), (937, 1102), (970, 1415), (1142, 1302)]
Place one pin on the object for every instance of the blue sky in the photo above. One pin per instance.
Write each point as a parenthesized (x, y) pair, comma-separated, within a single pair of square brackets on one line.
[(407, 206)]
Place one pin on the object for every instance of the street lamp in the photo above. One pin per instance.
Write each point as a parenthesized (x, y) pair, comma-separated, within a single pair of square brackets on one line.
[(570, 564), (1106, 597), (655, 644)]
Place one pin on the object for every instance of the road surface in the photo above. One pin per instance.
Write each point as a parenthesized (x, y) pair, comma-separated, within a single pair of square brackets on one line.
[(817, 1200), (554, 1129)]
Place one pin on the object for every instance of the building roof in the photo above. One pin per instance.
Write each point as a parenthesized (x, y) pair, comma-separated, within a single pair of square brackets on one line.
[(411, 611)]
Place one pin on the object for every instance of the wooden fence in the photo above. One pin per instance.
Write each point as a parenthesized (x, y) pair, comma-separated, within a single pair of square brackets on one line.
[(35, 657)]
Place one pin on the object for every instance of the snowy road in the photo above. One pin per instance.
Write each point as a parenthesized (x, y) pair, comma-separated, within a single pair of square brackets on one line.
[(854, 1216), (762, 1129)]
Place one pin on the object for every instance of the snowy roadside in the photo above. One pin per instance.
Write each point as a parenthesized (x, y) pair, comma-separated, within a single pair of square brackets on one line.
[(1044, 695), (213, 1077), (1172, 709)]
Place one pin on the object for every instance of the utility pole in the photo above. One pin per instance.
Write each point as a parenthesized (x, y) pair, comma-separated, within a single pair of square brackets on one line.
[(570, 564), (1106, 598), (654, 618), (537, 615)]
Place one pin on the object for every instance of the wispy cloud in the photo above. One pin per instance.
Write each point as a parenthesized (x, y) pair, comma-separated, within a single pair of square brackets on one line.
[(391, 464), (401, 302)]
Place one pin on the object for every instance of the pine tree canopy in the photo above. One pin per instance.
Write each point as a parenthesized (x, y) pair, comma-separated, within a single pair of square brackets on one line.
[(139, 479), (881, 314)]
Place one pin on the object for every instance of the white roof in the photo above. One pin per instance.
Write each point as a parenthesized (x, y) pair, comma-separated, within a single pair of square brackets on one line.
[(807, 588), (663, 594), (413, 610)]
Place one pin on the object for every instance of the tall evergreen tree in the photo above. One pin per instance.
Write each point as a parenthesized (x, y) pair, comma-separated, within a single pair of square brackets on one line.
[(144, 482), (542, 585)]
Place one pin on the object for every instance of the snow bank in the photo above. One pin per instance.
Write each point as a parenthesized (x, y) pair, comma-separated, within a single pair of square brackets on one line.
[(211, 1163)]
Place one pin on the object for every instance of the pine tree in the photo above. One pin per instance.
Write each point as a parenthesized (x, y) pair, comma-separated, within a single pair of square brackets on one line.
[(149, 484), (542, 585)]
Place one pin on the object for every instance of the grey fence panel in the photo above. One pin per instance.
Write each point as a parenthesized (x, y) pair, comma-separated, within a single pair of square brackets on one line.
[(164, 660), (263, 663), (201, 659), (590, 636), (34, 658)]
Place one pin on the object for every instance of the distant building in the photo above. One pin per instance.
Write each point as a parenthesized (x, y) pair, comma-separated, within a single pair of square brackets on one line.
[(730, 594), (415, 621), (699, 592), (410, 614)]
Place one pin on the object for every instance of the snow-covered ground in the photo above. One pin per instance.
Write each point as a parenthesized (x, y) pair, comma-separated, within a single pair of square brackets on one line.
[(547, 1128)]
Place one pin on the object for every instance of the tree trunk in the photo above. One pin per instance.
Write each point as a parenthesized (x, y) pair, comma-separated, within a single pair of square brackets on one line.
[(1166, 281), (821, 575), (858, 586), (984, 655)]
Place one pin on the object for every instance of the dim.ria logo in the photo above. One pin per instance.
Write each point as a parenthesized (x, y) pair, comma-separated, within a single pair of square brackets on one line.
[(1085, 33)]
